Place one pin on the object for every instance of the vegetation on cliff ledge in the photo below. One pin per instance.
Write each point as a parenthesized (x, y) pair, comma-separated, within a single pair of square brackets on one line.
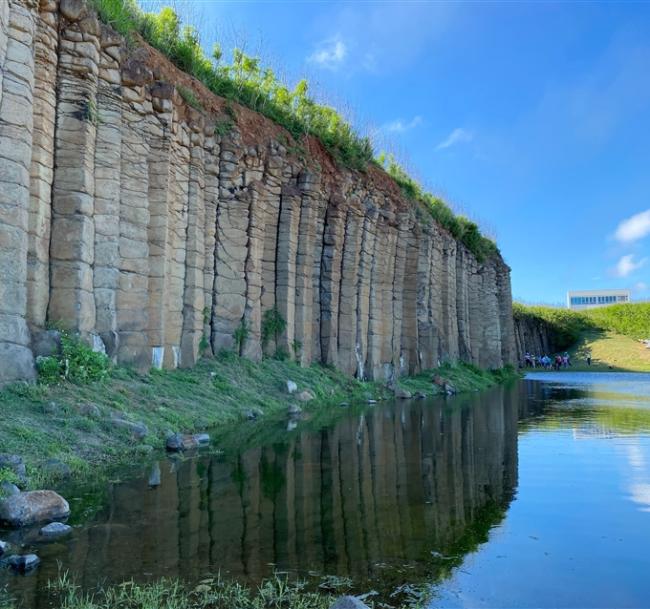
[(249, 83)]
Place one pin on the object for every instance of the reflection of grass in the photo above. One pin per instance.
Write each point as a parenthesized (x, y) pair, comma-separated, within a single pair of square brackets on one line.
[(610, 351)]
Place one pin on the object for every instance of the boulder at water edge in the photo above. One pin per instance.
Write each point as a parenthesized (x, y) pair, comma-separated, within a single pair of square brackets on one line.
[(32, 508), (55, 529)]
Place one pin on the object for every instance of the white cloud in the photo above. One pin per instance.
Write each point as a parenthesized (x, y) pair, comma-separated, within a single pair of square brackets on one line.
[(641, 287), (400, 126), (627, 265), (457, 136), (634, 228), (330, 55)]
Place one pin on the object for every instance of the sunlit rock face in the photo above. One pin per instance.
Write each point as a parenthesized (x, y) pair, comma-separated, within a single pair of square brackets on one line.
[(157, 234)]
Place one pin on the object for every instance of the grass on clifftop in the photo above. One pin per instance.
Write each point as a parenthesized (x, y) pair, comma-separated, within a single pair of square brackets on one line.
[(75, 423), (246, 81)]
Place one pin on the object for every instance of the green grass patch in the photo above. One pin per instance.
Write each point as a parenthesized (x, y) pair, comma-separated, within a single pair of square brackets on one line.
[(629, 319)]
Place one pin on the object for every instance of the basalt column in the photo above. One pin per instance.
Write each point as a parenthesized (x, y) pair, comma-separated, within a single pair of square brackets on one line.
[(72, 244), (17, 30)]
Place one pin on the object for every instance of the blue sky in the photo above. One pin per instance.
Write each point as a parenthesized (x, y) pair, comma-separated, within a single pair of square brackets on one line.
[(532, 118)]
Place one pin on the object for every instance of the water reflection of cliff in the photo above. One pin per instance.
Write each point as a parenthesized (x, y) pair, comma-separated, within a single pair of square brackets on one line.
[(369, 497)]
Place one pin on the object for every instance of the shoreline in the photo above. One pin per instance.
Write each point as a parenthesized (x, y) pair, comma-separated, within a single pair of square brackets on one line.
[(78, 434)]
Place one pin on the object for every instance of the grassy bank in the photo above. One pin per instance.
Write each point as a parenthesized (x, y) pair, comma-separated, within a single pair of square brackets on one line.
[(609, 351), (93, 428)]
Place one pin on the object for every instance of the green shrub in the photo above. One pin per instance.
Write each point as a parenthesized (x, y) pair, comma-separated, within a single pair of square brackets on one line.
[(273, 324), (77, 362), (240, 335)]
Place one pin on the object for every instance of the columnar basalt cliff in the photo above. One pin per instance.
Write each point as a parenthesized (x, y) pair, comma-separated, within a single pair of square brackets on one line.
[(160, 231)]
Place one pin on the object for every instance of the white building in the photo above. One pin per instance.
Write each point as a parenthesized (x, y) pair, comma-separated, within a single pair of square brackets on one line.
[(589, 299)]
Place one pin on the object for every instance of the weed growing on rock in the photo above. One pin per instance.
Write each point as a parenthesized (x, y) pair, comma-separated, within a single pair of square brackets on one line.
[(273, 324)]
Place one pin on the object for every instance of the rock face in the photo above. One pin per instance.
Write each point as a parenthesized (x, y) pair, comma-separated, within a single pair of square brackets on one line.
[(32, 508), (139, 222), (534, 337)]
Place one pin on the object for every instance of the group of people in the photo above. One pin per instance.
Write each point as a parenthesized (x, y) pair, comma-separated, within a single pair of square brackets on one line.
[(544, 361)]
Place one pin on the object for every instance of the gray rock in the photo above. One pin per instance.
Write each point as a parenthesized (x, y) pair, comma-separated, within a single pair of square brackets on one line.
[(4, 547), (72, 10), (15, 464), (52, 408), (137, 429), (33, 507), (420, 396), (294, 409), (178, 442), (90, 410), (57, 469), (291, 387), (344, 405), (252, 415), (402, 394), (305, 396), (24, 562), (55, 529), (154, 475), (202, 438), (7, 489), (46, 343), (348, 602), (449, 389), (371, 401)]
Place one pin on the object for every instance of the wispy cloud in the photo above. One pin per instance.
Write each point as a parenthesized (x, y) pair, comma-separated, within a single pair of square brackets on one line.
[(330, 54), (627, 265), (634, 228), (457, 136), (400, 126), (640, 287)]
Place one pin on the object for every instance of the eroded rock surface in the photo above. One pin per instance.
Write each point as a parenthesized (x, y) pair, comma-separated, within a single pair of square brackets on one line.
[(140, 223)]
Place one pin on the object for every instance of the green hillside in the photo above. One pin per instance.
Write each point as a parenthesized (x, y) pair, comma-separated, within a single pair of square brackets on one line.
[(611, 335)]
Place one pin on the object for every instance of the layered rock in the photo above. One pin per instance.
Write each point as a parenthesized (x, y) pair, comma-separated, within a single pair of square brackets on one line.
[(163, 232)]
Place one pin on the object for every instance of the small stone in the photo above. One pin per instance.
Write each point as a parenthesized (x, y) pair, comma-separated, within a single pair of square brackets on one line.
[(4, 547), (292, 424), (178, 442), (402, 394), (344, 405), (138, 429), (420, 396), (291, 387), (23, 563), (7, 489), (90, 410), (372, 401), (348, 602), (202, 438), (449, 389), (252, 415), (52, 408), (55, 529), (305, 396), (294, 409)]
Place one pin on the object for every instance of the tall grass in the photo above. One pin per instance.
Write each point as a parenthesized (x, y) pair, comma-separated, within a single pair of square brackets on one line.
[(630, 319), (246, 81)]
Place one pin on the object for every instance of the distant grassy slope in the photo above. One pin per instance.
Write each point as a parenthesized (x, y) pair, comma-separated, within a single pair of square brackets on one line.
[(612, 334), (610, 351)]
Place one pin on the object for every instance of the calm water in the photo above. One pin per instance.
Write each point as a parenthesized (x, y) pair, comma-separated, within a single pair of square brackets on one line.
[(532, 496)]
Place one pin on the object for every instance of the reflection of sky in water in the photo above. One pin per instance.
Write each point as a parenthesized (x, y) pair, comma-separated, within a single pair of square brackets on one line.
[(578, 532)]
